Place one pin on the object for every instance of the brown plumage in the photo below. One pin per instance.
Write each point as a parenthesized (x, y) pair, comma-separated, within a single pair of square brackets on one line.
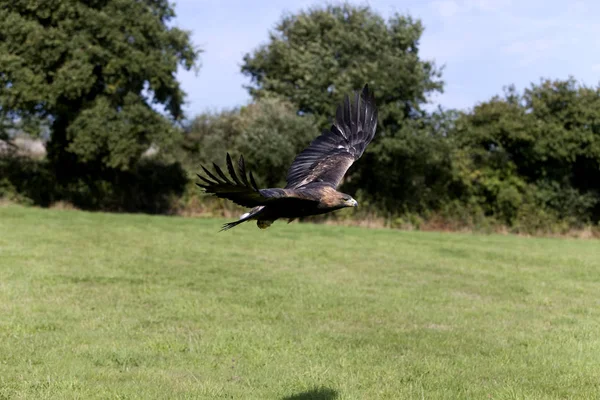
[(312, 178)]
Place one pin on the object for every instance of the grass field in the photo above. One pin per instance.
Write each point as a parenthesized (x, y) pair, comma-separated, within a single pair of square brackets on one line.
[(129, 306)]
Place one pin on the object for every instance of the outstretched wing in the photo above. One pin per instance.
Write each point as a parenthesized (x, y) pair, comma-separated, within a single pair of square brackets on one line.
[(243, 189), (330, 155), (240, 190)]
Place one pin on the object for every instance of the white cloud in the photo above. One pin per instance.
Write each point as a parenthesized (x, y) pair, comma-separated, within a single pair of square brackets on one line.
[(451, 8), (529, 46), (529, 51), (446, 8), (484, 44), (577, 7), (486, 5)]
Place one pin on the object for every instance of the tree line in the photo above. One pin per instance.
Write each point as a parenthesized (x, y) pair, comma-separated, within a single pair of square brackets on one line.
[(526, 160)]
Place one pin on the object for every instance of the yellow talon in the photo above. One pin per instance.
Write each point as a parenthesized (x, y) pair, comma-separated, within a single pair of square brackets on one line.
[(263, 224)]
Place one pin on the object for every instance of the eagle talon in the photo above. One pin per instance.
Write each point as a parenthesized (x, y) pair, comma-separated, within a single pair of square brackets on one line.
[(263, 224)]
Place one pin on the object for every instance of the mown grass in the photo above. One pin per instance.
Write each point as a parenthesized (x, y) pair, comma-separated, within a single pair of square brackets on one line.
[(99, 305)]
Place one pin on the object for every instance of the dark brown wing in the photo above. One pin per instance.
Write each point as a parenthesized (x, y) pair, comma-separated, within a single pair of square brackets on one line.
[(330, 155), (240, 190), (244, 191)]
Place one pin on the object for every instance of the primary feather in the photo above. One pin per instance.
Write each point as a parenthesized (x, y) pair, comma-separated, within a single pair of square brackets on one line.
[(330, 155)]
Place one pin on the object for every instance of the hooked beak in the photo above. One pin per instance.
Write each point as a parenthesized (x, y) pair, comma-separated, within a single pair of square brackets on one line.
[(352, 203)]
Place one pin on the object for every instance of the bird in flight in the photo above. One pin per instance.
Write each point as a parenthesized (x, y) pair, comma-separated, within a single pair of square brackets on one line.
[(314, 175)]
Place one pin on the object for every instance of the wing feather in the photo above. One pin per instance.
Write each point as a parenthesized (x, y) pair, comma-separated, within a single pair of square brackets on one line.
[(238, 190), (244, 191), (329, 156), (232, 170)]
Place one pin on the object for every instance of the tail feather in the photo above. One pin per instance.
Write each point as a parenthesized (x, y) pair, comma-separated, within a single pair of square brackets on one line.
[(243, 218), (230, 225)]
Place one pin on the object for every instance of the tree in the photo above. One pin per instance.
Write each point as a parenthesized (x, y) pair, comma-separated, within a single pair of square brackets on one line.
[(315, 57), (268, 133), (541, 146), (272, 137), (94, 71), (412, 171)]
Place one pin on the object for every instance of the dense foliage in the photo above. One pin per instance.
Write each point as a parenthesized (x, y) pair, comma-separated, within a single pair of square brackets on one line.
[(535, 152), (526, 160), (268, 133), (316, 56), (92, 71)]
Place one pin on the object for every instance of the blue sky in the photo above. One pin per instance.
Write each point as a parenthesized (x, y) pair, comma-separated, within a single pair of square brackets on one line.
[(483, 44)]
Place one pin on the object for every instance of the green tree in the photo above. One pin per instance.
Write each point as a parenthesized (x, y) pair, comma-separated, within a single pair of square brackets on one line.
[(95, 71), (273, 134), (268, 133), (413, 170), (316, 56), (540, 147), (208, 135)]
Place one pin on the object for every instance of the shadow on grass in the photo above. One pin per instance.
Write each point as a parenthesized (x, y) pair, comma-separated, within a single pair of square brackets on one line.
[(314, 394)]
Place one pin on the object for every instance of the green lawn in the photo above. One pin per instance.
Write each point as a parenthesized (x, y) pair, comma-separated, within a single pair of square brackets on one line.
[(99, 305)]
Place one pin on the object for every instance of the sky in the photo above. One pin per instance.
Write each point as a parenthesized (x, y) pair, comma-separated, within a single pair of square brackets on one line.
[(483, 45)]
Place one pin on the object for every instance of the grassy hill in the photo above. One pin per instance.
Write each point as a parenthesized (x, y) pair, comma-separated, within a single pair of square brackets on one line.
[(99, 305)]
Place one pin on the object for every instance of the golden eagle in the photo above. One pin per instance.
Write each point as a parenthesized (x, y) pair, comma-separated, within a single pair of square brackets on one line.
[(312, 178)]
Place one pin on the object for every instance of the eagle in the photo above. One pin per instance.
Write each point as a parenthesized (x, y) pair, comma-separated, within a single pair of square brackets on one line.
[(314, 175)]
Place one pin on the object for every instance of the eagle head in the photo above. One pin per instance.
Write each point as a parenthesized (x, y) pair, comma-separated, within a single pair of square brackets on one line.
[(348, 201)]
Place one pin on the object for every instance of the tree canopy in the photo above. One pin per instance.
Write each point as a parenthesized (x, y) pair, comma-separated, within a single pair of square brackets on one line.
[(267, 132), (316, 56), (541, 146), (96, 72)]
